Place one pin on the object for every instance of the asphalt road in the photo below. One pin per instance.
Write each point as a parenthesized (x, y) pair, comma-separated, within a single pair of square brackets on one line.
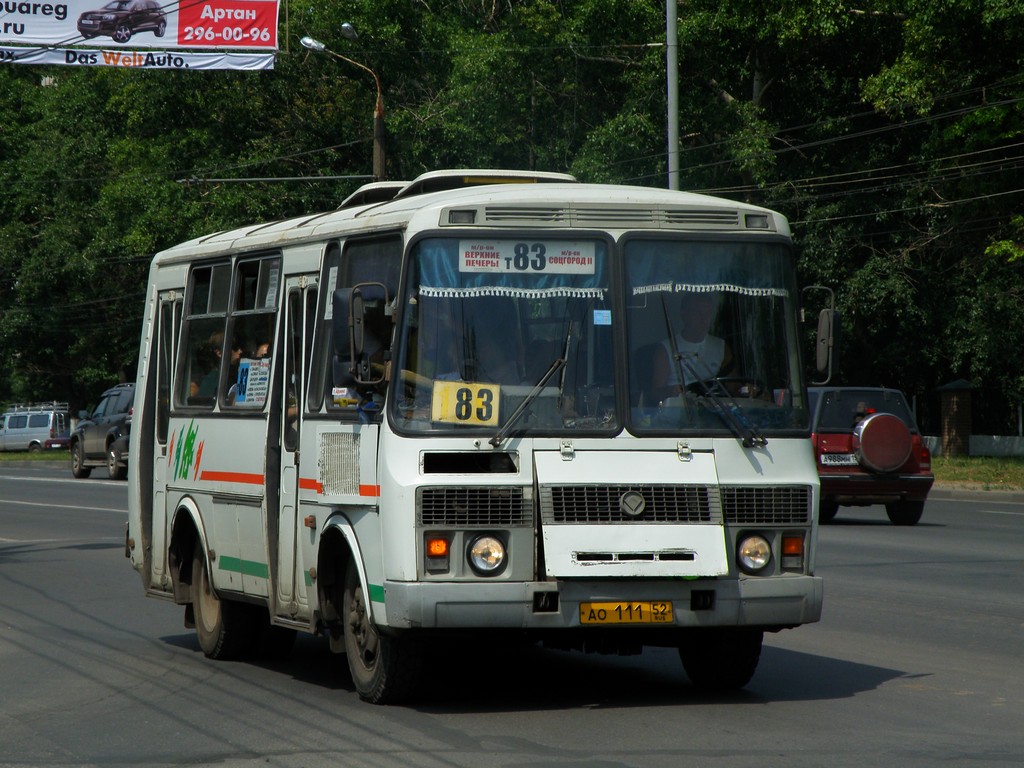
[(916, 662)]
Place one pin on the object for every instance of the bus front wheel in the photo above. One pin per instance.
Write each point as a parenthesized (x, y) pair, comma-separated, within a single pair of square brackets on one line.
[(384, 668), (225, 629), (721, 659)]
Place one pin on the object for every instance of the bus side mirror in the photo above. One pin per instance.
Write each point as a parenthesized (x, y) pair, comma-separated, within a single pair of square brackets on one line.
[(826, 338), (358, 321), (823, 340)]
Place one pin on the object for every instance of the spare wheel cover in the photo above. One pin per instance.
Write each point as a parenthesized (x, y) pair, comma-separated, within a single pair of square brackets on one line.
[(883, 442)]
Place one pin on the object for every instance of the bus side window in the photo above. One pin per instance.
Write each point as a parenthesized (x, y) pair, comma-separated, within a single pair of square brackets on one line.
[(364, 261), (201, 356), (200, 353), (251, 324)]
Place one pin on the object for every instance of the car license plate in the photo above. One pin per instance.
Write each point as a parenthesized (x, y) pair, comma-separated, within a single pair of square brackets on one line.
[(839, 459), (642, 612)]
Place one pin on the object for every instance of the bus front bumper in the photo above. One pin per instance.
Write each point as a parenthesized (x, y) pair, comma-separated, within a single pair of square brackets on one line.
[(770, 603)]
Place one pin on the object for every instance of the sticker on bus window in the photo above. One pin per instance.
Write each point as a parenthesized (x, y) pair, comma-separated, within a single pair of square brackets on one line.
[(465, 402), (252, 385), (541, 257), (602, 317)]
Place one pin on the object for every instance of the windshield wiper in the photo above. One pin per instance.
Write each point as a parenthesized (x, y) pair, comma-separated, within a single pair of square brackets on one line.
[(732, 414), (559, 362)]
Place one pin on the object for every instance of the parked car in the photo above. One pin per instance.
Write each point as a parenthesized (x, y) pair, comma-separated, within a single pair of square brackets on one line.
[(59, 443), (94, 439), (869, 451), (117, 454), (30, 426), (120, 19)]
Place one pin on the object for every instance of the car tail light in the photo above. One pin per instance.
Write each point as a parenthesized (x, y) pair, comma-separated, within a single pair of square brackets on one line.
[(924, 457)]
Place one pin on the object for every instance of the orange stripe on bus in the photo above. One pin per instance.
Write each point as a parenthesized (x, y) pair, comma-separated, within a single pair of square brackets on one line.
[(246, 478), (309, 484)]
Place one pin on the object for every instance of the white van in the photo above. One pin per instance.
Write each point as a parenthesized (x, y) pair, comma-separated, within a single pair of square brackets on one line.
[(27, 427)]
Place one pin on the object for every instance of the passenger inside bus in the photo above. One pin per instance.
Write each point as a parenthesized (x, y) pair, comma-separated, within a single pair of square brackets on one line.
[(703, 355), (473, 340), (211, 355)]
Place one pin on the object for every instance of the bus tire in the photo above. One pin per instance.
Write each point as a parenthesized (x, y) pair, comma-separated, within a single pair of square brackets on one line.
[(225, 629), (721, 659), (385, 668)]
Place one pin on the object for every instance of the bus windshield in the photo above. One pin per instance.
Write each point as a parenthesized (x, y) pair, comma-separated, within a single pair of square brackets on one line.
[(711, 336), (496, 327)]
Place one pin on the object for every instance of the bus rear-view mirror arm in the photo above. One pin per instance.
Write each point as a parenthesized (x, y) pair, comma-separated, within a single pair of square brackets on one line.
[(355, 341)]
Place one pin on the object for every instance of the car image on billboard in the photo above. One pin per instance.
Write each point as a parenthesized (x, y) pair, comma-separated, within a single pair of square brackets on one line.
[(120, 19)]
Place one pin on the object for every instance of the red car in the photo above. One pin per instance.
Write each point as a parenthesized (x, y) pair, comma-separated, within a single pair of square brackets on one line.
[(869, 451)]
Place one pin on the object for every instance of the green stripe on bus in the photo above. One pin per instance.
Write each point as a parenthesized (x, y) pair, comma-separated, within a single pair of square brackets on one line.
[(376, 593), (244, 567)]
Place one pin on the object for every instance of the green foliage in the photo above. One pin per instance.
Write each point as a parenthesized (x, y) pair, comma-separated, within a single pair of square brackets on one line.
[(888, 132)]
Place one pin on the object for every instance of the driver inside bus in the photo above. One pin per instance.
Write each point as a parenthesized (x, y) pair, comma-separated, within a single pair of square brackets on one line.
[(704, 356)]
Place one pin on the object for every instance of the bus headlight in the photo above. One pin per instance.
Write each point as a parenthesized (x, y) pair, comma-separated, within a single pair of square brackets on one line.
[(486, 555), (754, 553)]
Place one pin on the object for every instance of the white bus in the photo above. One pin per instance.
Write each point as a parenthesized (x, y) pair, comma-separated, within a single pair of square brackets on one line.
[(439, 414)]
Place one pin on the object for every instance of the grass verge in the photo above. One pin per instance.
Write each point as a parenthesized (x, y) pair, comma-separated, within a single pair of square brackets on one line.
[(987, 473)]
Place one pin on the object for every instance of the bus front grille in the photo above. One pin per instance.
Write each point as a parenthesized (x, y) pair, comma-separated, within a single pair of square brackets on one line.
[(473, 506), (597, 504), (768, 505), (737, 505)]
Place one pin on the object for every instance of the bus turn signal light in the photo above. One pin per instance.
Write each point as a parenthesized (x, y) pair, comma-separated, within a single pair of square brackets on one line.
[(437, 547), (437, 553), (793, 553)]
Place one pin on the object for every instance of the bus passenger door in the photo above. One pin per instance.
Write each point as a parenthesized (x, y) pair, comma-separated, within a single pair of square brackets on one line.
[(165, 342), (296, 339)]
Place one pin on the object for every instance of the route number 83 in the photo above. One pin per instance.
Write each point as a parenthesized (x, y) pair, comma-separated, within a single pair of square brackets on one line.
[(462, 402)]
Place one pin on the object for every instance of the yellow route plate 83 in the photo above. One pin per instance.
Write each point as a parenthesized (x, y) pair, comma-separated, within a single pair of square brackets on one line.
[(642, 612), (465, 402)]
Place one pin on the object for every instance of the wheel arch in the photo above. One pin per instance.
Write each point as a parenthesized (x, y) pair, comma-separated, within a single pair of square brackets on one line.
[(186, 531), (338, 547)]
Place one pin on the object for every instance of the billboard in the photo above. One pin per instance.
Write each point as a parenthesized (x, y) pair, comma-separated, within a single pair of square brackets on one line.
[(209, 29), (94, 57)]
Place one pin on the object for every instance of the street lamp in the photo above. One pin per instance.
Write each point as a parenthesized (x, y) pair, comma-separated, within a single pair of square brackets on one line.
[(378, 111)]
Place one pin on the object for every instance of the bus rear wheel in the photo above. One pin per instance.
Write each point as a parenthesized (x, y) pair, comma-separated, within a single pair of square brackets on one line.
[(384, 668), (721, 659), (225, 629)]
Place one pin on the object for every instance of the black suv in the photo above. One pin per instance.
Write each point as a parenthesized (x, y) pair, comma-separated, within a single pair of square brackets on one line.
[(101, 437), (120, 19)]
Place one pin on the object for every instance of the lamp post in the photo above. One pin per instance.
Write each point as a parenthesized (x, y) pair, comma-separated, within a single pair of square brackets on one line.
[(672, 86), (378, 111)]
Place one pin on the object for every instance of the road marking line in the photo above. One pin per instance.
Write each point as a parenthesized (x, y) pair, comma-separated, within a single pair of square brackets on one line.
[(59, 506)]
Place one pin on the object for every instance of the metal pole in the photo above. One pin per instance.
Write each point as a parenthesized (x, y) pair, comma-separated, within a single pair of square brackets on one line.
[(672, 84), (379, 157), (379, 129)]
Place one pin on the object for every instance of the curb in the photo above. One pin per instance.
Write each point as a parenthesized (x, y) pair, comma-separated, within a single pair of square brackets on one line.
[(952, 493), (42, 464)]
